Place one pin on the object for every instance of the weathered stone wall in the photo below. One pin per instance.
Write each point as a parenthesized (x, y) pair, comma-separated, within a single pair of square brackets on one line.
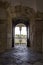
[(9, 33), (32, 34), (38, 35), (3, 38), (3, 30)]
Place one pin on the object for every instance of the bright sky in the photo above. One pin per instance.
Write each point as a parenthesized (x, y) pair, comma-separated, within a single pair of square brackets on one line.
[(23, 30)]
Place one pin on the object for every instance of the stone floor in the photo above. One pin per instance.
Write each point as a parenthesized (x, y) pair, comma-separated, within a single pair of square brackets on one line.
[(21, 55)]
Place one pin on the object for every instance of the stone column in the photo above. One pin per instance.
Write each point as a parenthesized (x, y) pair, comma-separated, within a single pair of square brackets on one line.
[(12, 35), (28, 42)]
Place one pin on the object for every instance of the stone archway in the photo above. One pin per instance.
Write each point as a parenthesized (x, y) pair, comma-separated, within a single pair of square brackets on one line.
[(23, 13), (26, 23)]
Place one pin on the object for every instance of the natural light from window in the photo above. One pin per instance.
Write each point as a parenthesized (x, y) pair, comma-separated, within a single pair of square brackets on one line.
[(23, 31)]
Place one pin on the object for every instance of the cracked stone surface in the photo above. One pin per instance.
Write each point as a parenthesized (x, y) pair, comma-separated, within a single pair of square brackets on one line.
[(21, 55)]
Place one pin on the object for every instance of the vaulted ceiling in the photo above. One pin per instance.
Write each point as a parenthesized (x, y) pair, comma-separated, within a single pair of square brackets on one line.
[(35, 4)]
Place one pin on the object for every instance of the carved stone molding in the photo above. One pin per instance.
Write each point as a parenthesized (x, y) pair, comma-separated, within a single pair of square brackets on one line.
[(22, 11)]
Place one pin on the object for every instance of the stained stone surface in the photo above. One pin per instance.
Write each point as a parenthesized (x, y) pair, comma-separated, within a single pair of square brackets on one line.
[(21, 55)]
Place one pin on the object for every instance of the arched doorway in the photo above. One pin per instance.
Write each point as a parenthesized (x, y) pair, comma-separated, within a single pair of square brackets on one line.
[(20, 36), (20, 21)]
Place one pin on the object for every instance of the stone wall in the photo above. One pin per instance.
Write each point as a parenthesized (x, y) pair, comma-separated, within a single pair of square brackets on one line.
[(3, 37), (32, 34), (3, 34), (39, 4), (38, 35), (5, 30), (9, 33)]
